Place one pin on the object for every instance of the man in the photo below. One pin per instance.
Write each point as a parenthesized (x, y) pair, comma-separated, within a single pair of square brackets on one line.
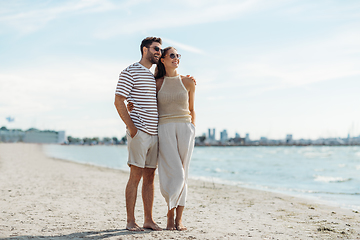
[(137, 85)]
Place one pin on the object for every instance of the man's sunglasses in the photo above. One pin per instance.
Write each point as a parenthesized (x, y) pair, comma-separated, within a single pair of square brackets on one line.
[(157, 49), (173, 55)]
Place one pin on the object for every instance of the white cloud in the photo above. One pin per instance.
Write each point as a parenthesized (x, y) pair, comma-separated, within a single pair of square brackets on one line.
[(313, 60), (77, 98), (317, 10), (37, 90), (182, 46), (200, 13), (29, 18)]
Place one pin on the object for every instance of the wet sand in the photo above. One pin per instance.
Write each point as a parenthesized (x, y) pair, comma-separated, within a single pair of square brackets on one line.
[(42, 197)]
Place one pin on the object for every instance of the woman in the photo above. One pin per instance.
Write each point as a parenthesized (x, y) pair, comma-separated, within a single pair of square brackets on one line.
[(176, 132)]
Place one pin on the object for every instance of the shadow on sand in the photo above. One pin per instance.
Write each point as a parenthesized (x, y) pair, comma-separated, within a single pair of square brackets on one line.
[(82, 235)]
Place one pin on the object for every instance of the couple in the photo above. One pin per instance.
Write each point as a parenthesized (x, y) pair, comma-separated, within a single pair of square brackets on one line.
[(160, 131)]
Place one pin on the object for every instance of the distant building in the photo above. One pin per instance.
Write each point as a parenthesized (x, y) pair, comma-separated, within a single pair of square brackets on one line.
[(247, 138), (32, 136), (211, 135), (223, 136), (289, 138), (237, 140), (36, 136), (263, 140), (11, 135), (61, 137)]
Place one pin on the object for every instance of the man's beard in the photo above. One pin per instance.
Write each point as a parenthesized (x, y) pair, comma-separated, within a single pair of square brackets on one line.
[(152, 58)]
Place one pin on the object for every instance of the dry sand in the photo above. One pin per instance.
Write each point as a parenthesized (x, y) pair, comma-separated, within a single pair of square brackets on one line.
[(46, 198)]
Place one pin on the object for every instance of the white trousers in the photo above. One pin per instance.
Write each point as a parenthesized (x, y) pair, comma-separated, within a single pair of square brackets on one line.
[(176, 144)]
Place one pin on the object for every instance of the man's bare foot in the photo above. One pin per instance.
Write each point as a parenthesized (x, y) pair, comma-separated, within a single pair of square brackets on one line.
[(132, 226), (180, 227), (152, 225)]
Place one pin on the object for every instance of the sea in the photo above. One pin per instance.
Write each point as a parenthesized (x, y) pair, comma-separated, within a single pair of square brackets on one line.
[(323, 174)]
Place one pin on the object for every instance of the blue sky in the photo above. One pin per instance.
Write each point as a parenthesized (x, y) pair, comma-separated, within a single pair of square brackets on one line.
[(267, 68)]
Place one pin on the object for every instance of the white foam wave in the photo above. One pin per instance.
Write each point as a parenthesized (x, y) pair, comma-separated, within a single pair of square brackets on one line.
[(217, 180), (219, 170), (316, 155), (328, 179)]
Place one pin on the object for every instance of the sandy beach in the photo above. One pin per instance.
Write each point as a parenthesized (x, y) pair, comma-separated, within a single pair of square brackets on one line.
[(47, 198)]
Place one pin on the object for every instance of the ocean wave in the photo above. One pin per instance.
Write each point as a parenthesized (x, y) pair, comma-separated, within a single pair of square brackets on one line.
[(219, 170), (316, 191), (317, 154), (328, 179), (218, 180)]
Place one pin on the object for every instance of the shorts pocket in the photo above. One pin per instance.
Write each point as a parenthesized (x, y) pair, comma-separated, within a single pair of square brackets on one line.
[(128, 133)]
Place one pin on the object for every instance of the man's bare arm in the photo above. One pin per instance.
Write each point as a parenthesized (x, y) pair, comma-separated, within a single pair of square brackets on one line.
[(124, 114)]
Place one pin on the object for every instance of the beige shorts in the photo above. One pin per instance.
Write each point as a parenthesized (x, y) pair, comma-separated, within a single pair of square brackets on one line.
[(143, 149)]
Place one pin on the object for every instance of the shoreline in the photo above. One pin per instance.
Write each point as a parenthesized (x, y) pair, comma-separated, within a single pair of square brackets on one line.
[(221, 182), (305, 197), (43, 197), (331, 199)]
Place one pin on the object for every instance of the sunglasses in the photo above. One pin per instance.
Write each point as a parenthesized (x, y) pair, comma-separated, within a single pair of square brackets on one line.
[(157, 49), (173, 55)]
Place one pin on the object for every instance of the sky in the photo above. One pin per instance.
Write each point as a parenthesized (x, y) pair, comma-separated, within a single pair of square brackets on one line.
[(266, 68)]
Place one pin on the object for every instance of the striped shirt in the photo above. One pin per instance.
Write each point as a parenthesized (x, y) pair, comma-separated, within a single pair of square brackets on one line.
[(137, 84)]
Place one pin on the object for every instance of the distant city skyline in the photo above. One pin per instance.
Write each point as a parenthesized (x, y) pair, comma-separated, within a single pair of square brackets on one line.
[(210, 136), (267, 68), (223, 135)]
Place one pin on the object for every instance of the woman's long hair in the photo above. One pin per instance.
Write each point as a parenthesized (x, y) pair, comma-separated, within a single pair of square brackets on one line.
[(160, 68)]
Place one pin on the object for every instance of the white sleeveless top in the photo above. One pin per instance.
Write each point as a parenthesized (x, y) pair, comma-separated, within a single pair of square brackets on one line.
[(173, 101)]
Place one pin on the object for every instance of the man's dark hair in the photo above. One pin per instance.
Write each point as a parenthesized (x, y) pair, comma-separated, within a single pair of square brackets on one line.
[(148, 41)]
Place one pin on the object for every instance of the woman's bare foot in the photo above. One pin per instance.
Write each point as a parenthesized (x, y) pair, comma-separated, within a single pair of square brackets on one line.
[(132, 226), (179, 226), (178, 220), (170, 221)]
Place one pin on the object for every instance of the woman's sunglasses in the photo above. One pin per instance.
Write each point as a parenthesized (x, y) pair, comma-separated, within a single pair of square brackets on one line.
[(173, 55)]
